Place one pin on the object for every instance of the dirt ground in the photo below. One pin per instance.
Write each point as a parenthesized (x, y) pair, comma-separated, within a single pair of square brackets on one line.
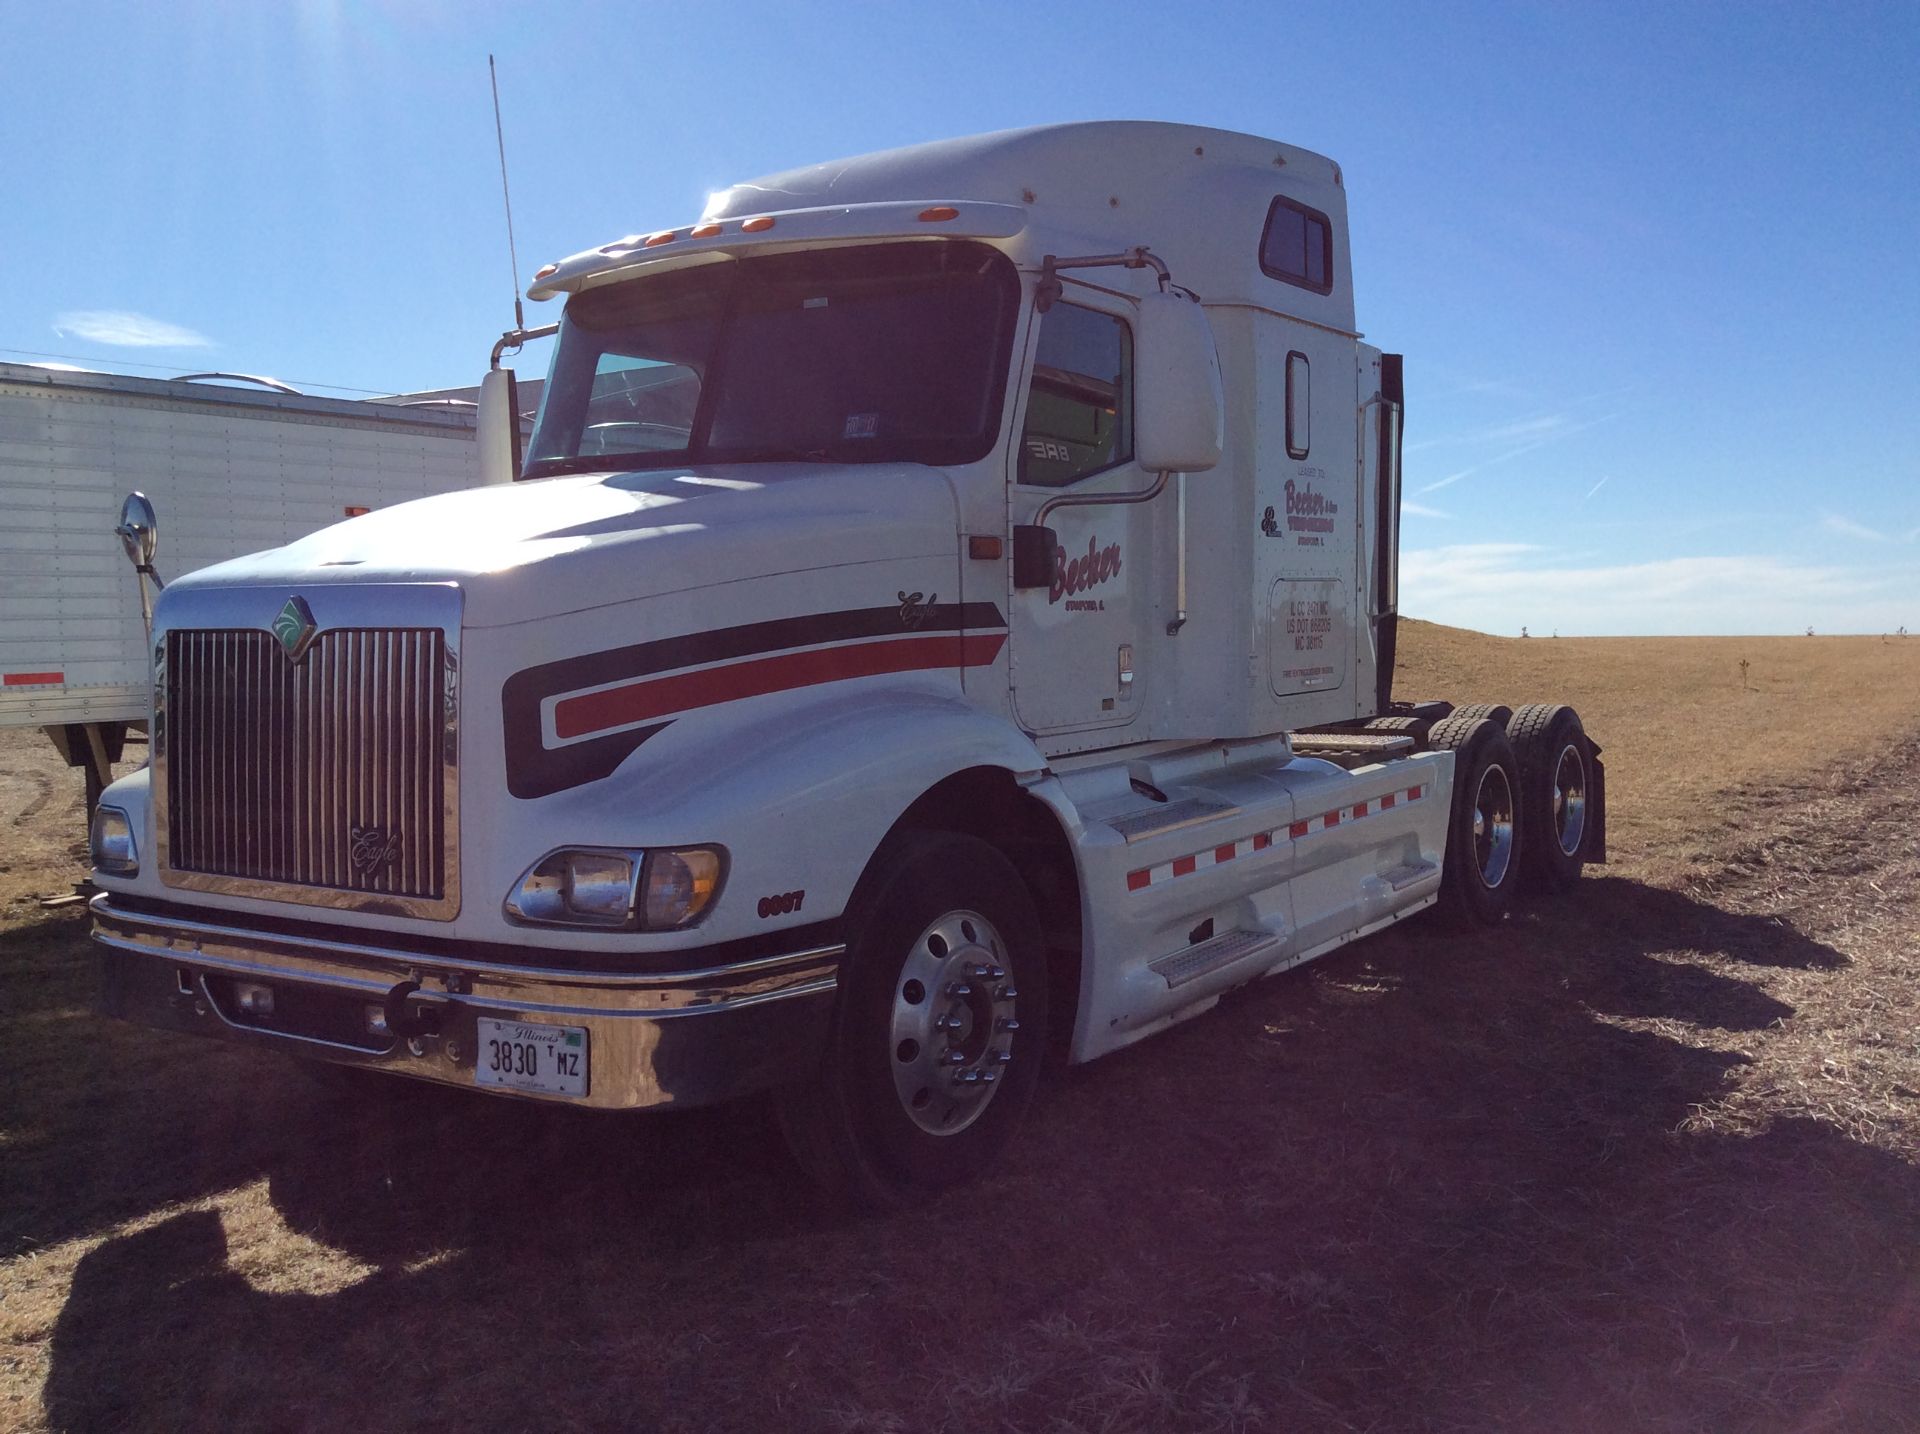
[(1647, 1158)]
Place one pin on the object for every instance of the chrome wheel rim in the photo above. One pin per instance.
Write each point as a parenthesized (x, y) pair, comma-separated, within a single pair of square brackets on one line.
[(1570, 798), (954, 1006), (1493, 826)]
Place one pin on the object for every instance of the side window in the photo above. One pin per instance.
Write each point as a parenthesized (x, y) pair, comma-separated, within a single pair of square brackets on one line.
[(1080, 407), (1299, 405), (1297, 247)]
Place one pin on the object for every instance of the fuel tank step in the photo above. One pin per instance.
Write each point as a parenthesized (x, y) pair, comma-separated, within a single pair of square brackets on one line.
[(1207, 956), (1163, 817)]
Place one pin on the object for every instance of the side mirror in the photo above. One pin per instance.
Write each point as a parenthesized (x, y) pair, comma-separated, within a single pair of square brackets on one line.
[(139, 530), (498, 430), (1180, 408)]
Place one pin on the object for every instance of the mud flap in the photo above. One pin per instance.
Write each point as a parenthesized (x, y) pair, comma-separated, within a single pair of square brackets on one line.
[(1597, 844)]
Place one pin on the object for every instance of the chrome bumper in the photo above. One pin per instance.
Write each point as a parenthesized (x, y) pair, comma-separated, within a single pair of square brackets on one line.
[(676, 1038)]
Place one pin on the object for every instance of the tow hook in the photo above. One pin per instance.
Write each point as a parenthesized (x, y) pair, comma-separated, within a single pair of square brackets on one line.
[(413, 1013)]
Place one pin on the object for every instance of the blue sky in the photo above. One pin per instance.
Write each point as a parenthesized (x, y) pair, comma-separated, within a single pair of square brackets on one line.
[(1652, 267)]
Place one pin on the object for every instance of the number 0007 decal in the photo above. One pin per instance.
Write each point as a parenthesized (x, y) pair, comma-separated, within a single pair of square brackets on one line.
[(782, 904)]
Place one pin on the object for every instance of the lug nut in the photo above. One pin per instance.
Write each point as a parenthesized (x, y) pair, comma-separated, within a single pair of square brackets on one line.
[(1006, 993), (959, 990), (988, 1077), (1007, 1023), (980, 973), (955, 1058), (1000, 1058), (996, 974)]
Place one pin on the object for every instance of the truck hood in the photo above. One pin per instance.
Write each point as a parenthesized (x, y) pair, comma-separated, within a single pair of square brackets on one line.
[(538, 549)]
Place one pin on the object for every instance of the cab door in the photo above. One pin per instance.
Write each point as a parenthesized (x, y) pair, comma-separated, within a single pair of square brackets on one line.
[(1074, 643)]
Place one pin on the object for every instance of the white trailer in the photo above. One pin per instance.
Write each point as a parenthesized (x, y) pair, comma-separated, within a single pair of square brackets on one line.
[(235, 470), (946, 614)]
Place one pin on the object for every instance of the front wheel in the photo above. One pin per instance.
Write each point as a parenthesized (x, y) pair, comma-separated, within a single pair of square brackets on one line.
[(938, 1032)]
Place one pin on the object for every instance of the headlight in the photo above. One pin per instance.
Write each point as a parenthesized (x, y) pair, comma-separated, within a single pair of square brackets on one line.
[(617, 889), (111, 843)]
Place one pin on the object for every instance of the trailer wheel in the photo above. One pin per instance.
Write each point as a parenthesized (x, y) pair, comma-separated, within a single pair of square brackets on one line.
[(1556, 790), (1486, 829), (1492, 711), (939, 1030)]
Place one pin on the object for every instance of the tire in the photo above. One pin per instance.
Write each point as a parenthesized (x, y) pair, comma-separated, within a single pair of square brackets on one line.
[(1556, 785), (1492, 711), (1414, 727), (941, 930), (1486, 829)]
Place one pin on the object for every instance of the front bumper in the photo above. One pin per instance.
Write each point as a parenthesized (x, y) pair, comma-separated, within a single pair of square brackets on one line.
[(687, 1037)]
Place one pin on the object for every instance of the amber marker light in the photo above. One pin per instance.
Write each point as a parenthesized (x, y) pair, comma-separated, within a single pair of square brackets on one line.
[(983, 546), (757, 226), (939, 214), (654, 241), (703, 231), (546, 269)]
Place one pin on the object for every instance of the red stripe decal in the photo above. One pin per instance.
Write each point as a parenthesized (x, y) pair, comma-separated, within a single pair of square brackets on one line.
[(1138, 880), (1359, 809), (1413, 794), (640, 701), (1331, 819), (1298, 830), (33, 679), (1262, 840), (1223, 853), (1183, 866), (1386, 802)]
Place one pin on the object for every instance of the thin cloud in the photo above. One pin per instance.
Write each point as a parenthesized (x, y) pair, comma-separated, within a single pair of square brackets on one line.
[(125, 329), (1847, 528), (1544, 436), (1495, 587), (1595, 489), (1421, 510)]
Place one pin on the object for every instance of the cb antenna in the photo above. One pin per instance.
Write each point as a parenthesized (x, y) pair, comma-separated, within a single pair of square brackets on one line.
[(500, 137)]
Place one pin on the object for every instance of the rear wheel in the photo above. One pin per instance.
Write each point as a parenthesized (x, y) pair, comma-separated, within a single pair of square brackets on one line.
[(1492, 711), (938, 1032), (1556, 789), (1485, 833), (1414, 727)]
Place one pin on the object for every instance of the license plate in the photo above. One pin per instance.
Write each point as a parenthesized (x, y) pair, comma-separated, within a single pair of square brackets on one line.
[(548, 1060)]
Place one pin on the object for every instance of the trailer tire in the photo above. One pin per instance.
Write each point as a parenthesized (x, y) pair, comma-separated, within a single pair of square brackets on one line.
[(1493, 711), (905, 1104), (1556, 787), (1486, 828)]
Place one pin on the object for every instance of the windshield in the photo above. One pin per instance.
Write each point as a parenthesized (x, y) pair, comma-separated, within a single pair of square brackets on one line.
[(877, 353)]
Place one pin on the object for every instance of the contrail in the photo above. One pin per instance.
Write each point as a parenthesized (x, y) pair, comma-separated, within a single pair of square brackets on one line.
[(1596, 488)]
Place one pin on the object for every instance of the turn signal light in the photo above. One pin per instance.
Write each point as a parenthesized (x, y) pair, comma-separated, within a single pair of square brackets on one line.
[(665, 236), (759, 225), (938, 213), (703, 231)]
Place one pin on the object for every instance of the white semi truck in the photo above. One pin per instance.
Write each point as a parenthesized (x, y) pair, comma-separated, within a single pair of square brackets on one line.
[(945, 614)]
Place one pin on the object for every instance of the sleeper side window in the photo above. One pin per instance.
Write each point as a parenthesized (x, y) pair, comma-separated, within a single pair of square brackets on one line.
[(1297, 247), (1080, 405)]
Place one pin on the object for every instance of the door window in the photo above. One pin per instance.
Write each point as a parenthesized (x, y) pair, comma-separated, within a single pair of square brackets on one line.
[(1079, 408)]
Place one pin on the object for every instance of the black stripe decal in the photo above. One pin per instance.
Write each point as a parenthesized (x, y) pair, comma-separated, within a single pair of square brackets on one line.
[(534, 770)]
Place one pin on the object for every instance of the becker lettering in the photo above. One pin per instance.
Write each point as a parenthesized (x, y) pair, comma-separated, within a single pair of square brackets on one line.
[(1089, 570)]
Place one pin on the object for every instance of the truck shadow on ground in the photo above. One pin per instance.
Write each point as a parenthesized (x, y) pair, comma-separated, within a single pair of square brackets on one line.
[(1428, 1182)]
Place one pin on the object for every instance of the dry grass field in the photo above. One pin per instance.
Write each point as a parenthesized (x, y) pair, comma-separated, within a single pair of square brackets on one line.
[(1648, 1158)]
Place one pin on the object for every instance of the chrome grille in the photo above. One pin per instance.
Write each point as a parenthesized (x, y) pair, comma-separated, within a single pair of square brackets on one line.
[(331, 772)]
